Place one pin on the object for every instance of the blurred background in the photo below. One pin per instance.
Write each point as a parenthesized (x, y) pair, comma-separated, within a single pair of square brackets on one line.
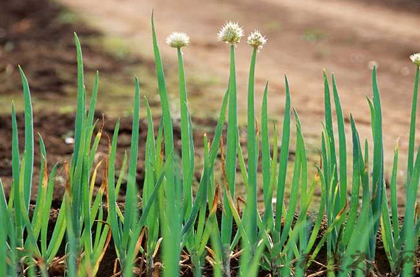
[(345, 37)]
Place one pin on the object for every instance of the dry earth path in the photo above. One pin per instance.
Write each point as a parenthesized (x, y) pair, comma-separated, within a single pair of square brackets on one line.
[(344, 37)]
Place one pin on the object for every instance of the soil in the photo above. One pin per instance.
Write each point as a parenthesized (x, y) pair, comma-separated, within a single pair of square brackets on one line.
[(342, 36), (35, 35), (345, 37), (55, 128), (38, 36)]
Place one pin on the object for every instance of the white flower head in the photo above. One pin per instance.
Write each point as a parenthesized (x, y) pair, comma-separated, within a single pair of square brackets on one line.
[(231, 33), (256, 40), (178, 40), (415, 58)]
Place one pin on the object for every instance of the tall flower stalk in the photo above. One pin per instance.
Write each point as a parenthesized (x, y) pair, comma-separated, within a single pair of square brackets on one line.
[(415, 58), (179, 40), (256, 41), (412, 180), (231, 33)]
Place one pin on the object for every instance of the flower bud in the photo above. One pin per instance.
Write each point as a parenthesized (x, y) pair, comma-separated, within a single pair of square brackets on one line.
[(231, 33), (178, 40)]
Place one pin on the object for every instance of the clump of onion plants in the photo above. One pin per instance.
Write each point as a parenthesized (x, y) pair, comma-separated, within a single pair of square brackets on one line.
[(176, 227)]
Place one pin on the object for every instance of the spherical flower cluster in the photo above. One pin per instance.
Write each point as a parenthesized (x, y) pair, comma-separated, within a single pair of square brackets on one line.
[(178, 40), (256, 40), (231, 33), (415, 58)]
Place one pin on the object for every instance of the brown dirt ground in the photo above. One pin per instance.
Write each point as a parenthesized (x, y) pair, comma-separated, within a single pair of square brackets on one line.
[(43, 45), (342, 36), (33, 34), (36, 35), (345, 37), (55, 127)]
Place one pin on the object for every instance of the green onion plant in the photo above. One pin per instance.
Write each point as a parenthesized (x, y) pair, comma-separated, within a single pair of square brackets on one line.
[(174, 222)]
